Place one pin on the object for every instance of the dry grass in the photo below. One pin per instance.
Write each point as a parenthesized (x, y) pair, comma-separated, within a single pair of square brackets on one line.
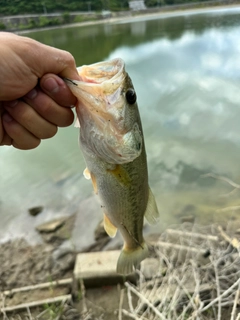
[(190, 289)]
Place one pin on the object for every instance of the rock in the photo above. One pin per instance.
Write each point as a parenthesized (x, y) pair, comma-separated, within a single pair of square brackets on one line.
[(150, 267), (51, 226), (57, 231), (189, 219), (100, 232), (34, 211), (99, 268), (64, 249)]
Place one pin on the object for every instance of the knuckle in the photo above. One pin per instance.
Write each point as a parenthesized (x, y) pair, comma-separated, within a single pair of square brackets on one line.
[(69, 58)]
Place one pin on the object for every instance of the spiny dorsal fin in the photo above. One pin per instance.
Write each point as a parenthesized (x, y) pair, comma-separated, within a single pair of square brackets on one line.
[(109, 227), (151, 213)]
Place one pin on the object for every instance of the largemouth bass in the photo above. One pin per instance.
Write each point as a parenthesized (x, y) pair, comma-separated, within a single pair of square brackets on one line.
[(111, 139)]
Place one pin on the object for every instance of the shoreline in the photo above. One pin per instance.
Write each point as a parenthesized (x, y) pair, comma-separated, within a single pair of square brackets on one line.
[(135, 16)]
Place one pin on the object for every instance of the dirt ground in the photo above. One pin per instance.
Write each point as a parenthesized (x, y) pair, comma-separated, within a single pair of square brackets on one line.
[(23, 265)]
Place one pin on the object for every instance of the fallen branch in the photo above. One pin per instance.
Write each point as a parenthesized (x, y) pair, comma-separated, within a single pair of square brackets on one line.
[(231, 208), (225, 293), (149, 304), (38, 286), (236, 300), (64, 298), (234, 242), (215, 176)]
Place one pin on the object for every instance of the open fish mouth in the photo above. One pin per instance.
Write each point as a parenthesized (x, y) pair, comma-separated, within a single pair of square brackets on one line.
[(101, 72)]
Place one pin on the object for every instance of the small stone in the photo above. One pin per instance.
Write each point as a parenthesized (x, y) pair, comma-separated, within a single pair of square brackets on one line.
[(34, 211), (100, 232), (51, 226), (99, 268), (189, 219), (150, 267)]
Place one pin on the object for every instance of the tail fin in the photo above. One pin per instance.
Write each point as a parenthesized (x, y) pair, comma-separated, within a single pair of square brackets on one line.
[(128, 260)]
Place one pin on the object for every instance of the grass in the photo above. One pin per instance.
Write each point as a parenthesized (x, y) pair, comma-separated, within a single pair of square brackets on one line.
[(190, 290)]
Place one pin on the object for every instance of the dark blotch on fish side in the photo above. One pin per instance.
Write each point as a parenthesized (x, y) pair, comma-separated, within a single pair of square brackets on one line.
[(34, 211)]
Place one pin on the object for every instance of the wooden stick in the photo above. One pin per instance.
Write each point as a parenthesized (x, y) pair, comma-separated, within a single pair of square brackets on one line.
[(133, 316), (232, 208), (234, 242), (120, 304), (150, 305), (65, 298), (38, 286), (215, 176), (192, 235), (225, 293), (235, 304)]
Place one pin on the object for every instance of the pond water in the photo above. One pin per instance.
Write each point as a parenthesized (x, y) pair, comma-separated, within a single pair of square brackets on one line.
[(186, 71)]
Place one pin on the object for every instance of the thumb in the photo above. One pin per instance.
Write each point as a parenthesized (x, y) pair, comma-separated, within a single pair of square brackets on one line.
[(57, 89)]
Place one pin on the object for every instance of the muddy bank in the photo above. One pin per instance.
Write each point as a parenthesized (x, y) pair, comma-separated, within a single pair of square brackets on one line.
[(196, 258)]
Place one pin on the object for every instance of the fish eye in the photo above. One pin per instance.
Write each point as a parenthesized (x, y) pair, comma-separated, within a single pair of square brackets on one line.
[(131, 96)]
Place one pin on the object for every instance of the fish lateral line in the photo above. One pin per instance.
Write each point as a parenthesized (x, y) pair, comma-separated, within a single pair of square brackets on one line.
[(131, 235)]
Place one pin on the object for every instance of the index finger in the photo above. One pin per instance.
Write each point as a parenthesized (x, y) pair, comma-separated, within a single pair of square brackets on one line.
[(41, 58), (58, 61)]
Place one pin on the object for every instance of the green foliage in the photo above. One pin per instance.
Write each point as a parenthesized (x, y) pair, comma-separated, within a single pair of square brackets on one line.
[(66, 17), (83, 18), (53, 311), (2, 26), (15, 7), (45, 22)]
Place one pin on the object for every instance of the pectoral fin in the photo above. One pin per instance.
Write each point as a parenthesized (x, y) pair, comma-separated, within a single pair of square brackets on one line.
[(87, 174), (151, 213), (109, 227), (94, 183)]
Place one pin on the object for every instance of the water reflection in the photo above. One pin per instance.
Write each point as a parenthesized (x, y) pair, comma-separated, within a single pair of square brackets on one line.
[(186, 72)]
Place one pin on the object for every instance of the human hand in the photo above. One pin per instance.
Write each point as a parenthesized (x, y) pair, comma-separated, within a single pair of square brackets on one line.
[(33, 98)]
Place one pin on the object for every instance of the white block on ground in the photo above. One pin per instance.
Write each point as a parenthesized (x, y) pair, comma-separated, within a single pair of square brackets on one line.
[(92, 265)]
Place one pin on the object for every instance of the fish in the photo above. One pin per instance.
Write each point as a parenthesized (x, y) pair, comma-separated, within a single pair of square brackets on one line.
[(112, 143)]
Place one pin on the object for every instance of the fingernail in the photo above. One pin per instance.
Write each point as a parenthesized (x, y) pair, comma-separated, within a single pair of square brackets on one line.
[(51, 85), (32, 94), (12, 103), (6, 117)]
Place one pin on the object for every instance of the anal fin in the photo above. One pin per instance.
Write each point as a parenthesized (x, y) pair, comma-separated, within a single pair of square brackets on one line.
[(109, 227), (151, 213)]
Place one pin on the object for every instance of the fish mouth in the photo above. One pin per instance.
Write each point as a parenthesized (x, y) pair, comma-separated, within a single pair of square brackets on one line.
[(101, 111), (100, 72), (99, 91)]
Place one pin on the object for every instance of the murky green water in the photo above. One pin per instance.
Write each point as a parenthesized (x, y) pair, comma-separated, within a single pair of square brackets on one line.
[(186, 71)]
